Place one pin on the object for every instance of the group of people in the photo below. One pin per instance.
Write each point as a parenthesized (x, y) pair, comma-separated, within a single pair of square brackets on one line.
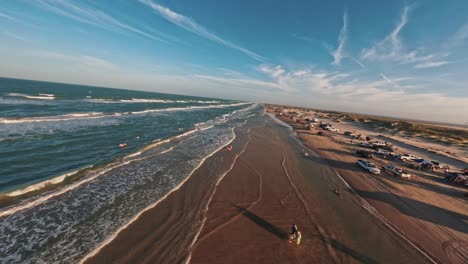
[(295, 235)]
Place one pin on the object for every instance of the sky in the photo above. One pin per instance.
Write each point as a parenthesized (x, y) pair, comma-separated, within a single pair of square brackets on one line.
[(393, 58)]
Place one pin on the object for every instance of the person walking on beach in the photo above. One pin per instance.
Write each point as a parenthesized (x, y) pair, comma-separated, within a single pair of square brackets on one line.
[(293, 230), (298, 237)]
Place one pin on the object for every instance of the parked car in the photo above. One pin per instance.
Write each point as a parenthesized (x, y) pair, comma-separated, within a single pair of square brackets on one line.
[(384, 153), (349, 133), (408, 157), (386, 147), (332, 129), (364, 153), (320, 133), (396, 171), (368, 166), (365, 145)]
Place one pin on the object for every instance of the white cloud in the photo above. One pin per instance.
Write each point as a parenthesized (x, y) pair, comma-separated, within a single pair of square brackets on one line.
[(192, 26), (240, 82), (391, 48), (91, 16), (430, 64), (338, 53), (459, 37), (79, 60), (3, 15), (14, 35), (390, 81)]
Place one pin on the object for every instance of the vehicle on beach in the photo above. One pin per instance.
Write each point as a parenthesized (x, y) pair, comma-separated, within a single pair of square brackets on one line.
[(399, 172), (378, 144), (384, 153), (320, 133), (349, 133), (365, 145), (368, 166), (332, 129), (408, 157), (385, 147), (364, 153)]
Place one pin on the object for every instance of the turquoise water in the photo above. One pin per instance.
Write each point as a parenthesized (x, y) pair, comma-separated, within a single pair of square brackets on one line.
[(48, 130)]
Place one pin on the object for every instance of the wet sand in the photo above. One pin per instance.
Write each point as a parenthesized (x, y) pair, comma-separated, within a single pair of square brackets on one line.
[(273, 182)]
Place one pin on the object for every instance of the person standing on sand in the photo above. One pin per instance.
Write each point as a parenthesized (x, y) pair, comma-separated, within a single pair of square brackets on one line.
[(293, 230), (298, 237)]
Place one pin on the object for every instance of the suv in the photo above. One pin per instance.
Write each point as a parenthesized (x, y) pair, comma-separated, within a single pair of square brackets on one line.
[(384, 153), (364, 153), (408, 157), (396, 171), (368, 166)]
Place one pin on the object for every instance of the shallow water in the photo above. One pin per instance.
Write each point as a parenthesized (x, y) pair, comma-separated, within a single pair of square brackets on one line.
[(63, 225)]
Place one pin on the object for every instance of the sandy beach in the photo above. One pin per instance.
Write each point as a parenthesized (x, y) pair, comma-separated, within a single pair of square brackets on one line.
[(245, 215)]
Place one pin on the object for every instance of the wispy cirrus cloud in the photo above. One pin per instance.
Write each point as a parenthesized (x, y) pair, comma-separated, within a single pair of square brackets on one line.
[(338, 53), (91, 16), (391, 49), (390, 81), (14, 35), (430, 64), (192, 26), (5, 16), (459, 37), (81, 60)]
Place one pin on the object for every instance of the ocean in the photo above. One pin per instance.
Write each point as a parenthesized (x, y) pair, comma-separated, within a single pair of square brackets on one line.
[(78, 162)]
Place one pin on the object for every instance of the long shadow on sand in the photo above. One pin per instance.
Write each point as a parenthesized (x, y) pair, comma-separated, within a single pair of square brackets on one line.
[(280, 233), (428, 186), (421, 210), (337, 164), (347, 250)]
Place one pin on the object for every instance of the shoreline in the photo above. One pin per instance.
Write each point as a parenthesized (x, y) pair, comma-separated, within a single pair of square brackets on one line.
[(93, 253), (176, 230)]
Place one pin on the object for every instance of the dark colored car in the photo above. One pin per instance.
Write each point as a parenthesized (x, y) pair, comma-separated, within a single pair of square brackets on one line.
[(364, 153)]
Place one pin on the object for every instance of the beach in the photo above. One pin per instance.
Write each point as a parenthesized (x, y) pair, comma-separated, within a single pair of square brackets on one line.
[(245, 215)]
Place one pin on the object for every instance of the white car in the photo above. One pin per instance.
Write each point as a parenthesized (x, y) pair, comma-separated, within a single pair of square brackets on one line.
[(365, 145), (408, 157), (396, 171), (368, 166), (383, 152), (332, 129)]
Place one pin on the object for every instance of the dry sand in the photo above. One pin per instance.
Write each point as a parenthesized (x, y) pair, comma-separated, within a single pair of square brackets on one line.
[(247, 217), (426, 210)]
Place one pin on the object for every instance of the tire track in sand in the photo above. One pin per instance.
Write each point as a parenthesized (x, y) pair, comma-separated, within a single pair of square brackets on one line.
[(318, 228), (259, 197)]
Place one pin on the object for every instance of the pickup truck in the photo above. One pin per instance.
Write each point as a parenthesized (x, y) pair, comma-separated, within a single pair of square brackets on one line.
[(396, 171), (408, 157), (368, 166)]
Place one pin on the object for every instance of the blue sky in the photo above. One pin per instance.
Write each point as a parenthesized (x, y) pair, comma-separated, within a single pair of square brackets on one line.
[(394, 58)]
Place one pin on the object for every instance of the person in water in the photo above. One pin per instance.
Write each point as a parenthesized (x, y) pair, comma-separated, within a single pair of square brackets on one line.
[(228, 148)]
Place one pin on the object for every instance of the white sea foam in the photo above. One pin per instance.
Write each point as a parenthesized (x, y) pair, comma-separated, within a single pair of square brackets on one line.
[(43, 97), (56, 118), (43, 184), (94, 115), (139, 100), (48, 95), (114, 235)]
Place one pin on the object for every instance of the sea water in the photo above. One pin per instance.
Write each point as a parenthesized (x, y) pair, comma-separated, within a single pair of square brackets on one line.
[(50, 131)]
